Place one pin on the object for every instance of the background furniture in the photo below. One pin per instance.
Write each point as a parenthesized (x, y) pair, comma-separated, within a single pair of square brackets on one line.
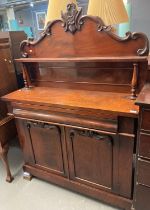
[(13, 38), (142, 190), (9, 49), (76, 117)]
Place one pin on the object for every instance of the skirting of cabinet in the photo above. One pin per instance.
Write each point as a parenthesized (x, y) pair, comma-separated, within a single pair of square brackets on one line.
[(101, 195)]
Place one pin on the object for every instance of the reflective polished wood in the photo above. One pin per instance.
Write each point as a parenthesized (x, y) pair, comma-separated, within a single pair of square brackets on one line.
[(76, 117), (142, 184)]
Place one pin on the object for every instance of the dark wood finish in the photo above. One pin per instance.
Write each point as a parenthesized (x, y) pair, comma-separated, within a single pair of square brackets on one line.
[(144, 172), (134, 81), (144, 145), (48, 140), (93, 164), (14, 38), (142, 189), (145, 124), (77, 44), (142, 197), (76, 121), (9, 49)]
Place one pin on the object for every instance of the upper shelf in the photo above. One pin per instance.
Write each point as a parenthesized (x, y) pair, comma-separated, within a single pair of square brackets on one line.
[(85, 59)]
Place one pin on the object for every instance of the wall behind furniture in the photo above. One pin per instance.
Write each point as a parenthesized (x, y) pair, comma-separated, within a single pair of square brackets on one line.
[(83, 4), (5, 20), (28, 15), (140, 20)]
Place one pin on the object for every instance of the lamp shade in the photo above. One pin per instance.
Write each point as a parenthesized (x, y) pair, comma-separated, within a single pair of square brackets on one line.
[(110, 11), (55, 7)]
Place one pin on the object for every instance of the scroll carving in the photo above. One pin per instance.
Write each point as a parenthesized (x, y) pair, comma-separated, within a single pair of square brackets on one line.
[(90, 134), (42, 125), (72, 21), (133, 36)]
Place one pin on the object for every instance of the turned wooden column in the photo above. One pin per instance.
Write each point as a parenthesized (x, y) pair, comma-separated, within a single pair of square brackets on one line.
[(134, 81), (25, 76)]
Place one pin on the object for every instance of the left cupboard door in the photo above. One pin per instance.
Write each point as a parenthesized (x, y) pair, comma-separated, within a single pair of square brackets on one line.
[(43, 145)]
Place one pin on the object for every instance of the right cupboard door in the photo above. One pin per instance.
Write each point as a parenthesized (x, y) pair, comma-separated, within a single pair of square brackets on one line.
[(90, 157), (101, 160)]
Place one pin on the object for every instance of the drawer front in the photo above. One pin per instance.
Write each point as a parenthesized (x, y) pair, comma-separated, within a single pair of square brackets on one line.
[(145, 124), (144, 146), (142, 198), (144, 172)]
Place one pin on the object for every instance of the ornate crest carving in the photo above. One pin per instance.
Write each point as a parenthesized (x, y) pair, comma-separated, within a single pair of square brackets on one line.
[(71, 19)]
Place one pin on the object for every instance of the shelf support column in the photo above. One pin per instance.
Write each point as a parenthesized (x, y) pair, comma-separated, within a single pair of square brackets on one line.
[(134, 81), (25, 76)]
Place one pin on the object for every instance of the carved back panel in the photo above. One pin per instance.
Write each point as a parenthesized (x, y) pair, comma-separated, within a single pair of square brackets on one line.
[(83, 36), (77, 36)]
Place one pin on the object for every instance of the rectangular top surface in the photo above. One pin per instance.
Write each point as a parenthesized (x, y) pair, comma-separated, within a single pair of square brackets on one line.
[(144, 97), (75, 99)]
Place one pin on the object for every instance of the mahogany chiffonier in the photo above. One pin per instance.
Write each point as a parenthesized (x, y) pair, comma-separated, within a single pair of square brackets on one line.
[(76, 117)]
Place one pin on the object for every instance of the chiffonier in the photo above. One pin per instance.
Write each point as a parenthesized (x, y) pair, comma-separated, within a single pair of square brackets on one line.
[(77, 120)]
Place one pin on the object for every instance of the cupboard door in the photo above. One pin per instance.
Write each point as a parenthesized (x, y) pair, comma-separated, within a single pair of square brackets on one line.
[(90, 157), (48, 146)]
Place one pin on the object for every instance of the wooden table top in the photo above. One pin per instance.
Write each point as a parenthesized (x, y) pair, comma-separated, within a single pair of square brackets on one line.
[(81, 99)]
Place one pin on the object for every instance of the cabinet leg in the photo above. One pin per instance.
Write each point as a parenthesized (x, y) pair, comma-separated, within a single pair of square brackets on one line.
[(27, 176), (3, 154)]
